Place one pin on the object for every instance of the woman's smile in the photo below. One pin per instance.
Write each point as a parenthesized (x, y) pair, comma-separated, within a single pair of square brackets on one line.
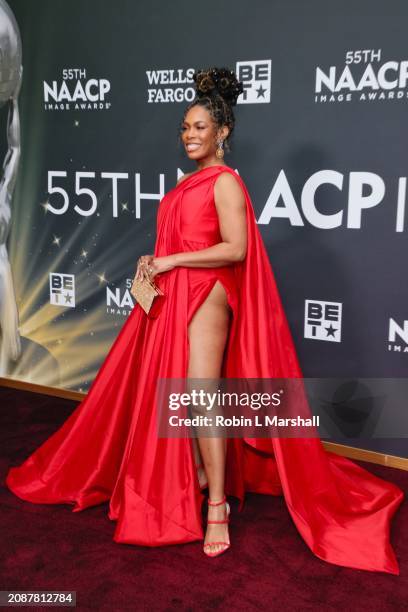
[(193, 146)]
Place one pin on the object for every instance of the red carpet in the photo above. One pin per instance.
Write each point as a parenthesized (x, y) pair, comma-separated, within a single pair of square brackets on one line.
[(50, 548)]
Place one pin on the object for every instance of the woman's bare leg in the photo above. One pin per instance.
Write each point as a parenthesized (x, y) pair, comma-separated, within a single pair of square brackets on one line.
[(207, 334), (202, 475)]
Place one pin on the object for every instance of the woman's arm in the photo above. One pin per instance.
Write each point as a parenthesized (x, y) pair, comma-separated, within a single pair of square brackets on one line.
[(231, 209)]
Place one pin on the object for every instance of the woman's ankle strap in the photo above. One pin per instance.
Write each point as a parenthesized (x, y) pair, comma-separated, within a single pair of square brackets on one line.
[(215, 503)]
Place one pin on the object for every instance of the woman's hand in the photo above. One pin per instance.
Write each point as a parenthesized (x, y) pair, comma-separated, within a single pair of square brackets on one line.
[(143, 264), (158, 265), (148, 266)]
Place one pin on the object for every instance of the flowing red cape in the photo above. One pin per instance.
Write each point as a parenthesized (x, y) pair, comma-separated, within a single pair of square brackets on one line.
[(108, 449)]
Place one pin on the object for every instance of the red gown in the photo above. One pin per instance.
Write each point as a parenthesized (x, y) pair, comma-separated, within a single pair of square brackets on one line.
[(108, 449)]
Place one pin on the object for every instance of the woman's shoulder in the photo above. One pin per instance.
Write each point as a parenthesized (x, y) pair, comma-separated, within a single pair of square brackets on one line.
[(228, 180), (228, 191)]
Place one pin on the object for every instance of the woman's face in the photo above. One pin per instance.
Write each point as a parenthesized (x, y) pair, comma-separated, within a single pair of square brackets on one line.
[(199, 134)]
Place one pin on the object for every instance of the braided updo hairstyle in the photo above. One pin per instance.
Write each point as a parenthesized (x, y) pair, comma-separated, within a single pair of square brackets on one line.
[(217, 89)]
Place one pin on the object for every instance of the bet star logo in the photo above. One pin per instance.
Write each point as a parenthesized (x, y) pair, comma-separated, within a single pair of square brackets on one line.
[(323, 320), (256, 78)]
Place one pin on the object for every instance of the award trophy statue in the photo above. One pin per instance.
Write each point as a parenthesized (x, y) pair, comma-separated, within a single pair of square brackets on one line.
[(10, 82)]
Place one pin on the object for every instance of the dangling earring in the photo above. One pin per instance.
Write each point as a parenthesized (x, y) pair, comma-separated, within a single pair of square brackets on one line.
[(220, 151)]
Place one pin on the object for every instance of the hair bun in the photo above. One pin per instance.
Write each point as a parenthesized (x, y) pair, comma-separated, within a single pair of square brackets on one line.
[(221, 81)]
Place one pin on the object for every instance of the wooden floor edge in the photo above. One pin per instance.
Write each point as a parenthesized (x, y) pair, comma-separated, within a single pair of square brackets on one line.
[(363, 454), (351, 452), (43, 389)]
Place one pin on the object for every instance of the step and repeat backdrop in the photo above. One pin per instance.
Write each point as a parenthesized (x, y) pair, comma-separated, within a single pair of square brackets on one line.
[(92, 97)]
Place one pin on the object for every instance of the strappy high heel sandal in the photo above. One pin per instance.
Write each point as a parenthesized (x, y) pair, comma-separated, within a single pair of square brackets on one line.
[(226, 520)]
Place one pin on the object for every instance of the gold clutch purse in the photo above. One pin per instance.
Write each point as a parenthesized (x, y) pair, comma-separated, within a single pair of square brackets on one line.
[(145, 292)]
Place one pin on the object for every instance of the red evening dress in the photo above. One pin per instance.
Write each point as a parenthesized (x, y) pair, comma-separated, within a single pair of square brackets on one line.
[(108, 449)]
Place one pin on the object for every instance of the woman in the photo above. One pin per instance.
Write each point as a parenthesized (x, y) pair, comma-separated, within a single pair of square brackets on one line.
[(221, 316)]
